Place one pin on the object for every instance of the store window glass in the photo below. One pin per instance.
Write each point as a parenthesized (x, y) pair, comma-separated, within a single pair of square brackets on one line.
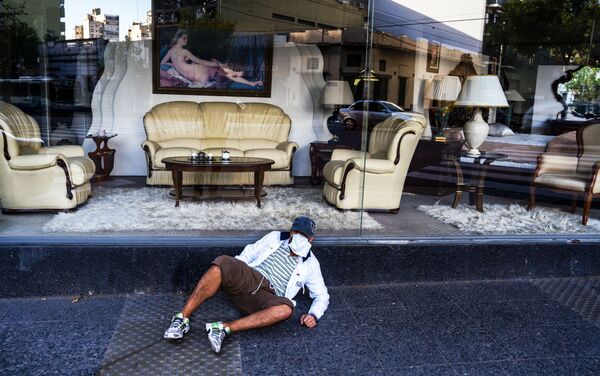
[(191, 117), (220, 117), (508, 93)]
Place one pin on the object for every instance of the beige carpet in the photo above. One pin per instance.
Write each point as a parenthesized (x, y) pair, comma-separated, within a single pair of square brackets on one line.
[(149, 209)]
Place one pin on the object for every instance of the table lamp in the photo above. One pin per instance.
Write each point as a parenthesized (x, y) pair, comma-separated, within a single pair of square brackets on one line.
[(443, 89), (479, 91), (335, 94)]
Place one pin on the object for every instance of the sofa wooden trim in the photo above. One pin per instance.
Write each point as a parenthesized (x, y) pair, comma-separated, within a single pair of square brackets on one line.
[(6, 153)]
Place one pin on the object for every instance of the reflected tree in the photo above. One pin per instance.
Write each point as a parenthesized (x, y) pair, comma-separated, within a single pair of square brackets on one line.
[(19, 43), (564, 30), (561, 32)]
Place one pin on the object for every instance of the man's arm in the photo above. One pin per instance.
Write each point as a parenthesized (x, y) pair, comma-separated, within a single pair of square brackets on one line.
[(197, 60), (167, 57), (317, 291)]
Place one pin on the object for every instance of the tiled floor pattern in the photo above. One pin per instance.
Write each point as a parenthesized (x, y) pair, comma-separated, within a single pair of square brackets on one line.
[(538, 327), (137, 347), (582, 295)]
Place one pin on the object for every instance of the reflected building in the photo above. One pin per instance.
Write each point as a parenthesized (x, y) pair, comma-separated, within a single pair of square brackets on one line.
[(99, 25), (141, 30)]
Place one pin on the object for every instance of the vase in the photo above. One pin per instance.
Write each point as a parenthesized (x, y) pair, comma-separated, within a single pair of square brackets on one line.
[(476, 131)]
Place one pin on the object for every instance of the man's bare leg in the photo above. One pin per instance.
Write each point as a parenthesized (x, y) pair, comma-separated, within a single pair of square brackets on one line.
[(260, 319), (207, 286)]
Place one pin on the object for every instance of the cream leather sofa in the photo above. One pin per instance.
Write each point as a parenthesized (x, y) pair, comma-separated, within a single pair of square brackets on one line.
[(382, 169), (245, 129), (33, 177)]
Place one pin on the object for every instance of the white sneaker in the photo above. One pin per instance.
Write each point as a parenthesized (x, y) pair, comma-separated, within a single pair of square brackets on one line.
[(179, 327), (216, 334)]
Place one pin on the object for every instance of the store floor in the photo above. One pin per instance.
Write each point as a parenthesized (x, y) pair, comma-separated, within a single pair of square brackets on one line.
[(409, 222), (511, 327)]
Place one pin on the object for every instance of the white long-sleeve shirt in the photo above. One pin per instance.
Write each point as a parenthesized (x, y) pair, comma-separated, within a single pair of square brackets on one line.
[(307, 273)]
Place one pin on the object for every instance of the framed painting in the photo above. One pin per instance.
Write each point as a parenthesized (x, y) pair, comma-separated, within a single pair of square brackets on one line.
[(196, 52), (433, 56)]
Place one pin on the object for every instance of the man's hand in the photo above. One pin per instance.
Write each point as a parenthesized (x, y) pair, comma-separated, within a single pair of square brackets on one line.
[(308, 320)]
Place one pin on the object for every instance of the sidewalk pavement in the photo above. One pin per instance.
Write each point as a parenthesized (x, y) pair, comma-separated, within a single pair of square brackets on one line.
[(521, 327)]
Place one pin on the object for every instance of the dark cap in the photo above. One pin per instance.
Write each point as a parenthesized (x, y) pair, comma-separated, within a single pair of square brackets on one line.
[(304, 225)]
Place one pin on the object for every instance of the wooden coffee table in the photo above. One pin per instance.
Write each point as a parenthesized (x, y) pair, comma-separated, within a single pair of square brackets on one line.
[(177, 165)]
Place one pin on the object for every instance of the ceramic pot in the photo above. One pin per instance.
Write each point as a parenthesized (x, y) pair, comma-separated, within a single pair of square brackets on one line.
[(476, 130)]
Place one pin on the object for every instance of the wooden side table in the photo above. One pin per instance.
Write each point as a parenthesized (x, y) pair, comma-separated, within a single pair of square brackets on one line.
[(476, 186), (103, 156), (320, 153)]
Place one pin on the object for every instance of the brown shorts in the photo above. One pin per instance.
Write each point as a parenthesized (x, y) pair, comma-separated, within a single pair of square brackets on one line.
[(240, 282)]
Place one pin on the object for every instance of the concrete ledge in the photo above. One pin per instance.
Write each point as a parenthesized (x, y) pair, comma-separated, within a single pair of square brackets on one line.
[(27, 270)]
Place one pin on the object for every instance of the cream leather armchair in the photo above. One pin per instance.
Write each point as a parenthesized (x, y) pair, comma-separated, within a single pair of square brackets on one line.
[(577, 175), (257, 130), (382, 169), (33, 177)]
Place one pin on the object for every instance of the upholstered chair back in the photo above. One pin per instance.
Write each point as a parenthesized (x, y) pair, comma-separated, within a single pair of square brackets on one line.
[(173, 120), (20, 132), (385, 138), (237, 122), (589, 144), (245, 121)]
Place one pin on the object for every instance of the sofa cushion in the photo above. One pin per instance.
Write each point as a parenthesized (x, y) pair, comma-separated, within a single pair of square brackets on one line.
[(499, 130), (216, 152), (332, 172), (66, 150), (257, 143), (171, 152), (194, 143), (278, 156), (566, 181), (82, 169), (221, 143)]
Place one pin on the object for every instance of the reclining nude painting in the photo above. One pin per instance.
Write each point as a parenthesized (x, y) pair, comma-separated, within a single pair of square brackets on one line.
[(212, 63)]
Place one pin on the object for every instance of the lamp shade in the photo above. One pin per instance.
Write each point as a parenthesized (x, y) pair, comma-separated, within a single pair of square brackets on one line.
[(513, 96), (443, 88), (482, 91), (336, 93)]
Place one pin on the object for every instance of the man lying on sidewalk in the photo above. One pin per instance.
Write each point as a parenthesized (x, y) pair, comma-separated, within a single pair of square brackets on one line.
[(261, 282)]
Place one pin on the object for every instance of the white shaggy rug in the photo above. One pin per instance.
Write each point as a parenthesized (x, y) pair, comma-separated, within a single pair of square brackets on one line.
[(511, 219), (151, 209)]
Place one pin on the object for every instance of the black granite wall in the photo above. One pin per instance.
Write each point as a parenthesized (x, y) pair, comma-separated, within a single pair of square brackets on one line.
[(71, 270)]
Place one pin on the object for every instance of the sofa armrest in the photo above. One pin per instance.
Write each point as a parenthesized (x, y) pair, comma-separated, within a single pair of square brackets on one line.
[(345, 154), (556, 164), (34, 161), (66, 150), (373, 166), (151, 148), (594, 177), (289, 147)]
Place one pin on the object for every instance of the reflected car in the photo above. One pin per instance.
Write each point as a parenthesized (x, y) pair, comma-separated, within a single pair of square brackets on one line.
[(377, 111)]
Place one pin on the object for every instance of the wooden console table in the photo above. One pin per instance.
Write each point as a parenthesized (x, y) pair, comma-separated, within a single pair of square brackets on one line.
[(320, 154), (103, 156)]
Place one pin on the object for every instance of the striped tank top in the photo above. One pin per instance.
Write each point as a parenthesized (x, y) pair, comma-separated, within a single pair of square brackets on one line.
[(278, 268)]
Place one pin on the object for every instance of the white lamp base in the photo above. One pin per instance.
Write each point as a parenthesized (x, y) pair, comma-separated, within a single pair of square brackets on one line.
[(476, 131)]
